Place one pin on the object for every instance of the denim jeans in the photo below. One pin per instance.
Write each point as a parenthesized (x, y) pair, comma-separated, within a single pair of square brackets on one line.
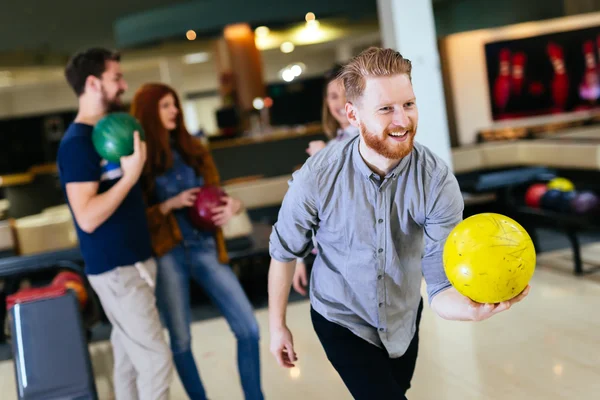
[(197, 259)]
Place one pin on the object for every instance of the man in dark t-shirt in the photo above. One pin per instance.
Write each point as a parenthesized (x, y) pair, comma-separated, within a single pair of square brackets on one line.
[(108, 209)]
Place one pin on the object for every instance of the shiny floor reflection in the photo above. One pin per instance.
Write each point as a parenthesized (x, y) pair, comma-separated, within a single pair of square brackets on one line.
[(546, 348)]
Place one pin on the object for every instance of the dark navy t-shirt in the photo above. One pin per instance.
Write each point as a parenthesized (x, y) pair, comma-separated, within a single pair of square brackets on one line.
[(123, 239)]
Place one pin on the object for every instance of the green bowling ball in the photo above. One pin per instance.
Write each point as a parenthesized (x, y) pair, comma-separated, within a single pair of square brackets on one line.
[(113, 136)]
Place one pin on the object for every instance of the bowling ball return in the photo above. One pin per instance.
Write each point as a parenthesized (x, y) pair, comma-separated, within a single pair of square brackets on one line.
[(50, 326), (558, 211), (509, 188)]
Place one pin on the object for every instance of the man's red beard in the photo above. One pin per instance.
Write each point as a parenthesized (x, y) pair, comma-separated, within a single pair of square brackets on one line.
[(386, 146)]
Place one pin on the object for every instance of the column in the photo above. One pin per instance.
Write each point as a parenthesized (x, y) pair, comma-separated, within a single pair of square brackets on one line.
[(240, 72), (246, 64), (409, 27)]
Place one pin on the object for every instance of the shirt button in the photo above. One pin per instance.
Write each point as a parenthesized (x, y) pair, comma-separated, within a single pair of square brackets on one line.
[(379, 277), (380, 305), (380, 250), (178, 177), (380, 220), (381, 329)]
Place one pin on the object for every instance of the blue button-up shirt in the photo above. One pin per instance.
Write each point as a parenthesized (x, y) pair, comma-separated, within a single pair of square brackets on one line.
[(376, 238), (348, 133), (178, 178)]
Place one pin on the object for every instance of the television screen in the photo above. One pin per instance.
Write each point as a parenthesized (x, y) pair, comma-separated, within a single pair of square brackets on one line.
[(546, 74)]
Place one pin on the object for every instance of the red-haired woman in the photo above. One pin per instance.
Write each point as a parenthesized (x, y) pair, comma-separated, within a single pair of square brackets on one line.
[(177, 165)]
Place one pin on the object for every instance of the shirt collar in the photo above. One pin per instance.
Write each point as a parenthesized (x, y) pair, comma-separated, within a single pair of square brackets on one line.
[(364, 169), (350, 131)]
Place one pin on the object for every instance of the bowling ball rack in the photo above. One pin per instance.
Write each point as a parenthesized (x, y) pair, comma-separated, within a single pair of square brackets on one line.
[(509, 186), (569, 223)]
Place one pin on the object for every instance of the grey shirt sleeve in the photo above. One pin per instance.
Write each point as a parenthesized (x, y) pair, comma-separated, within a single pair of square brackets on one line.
[(291, 237), (445, 207)]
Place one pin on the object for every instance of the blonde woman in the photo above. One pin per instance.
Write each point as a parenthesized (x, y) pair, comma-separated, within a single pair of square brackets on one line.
[(337, 128)]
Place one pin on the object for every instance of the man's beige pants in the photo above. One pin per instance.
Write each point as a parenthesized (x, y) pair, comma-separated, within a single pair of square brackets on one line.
[(143, 362)]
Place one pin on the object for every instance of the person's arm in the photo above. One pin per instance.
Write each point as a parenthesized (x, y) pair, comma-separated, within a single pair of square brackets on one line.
[(92, 209), (289, 240), (300, 279), (282, 342), (444, 212), (81, 174), (181, 200), (452, 305)]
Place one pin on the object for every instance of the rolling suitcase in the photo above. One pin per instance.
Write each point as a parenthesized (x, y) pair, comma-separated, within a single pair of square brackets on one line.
[(50, 350)]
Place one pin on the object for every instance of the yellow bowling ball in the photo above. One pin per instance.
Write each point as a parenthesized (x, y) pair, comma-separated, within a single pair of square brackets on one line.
[(562, 184), (489, 258)]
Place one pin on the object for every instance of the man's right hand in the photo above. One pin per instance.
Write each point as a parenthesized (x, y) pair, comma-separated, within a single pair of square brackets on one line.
[(282, 346), (133, 164), (92, 209)]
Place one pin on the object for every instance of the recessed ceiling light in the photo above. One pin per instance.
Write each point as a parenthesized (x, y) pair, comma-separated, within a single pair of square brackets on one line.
[(190, 35), (287, 47), (196, 58)]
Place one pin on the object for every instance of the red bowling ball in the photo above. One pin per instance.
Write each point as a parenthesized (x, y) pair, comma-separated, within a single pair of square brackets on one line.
[(201, 213), (534, 194)]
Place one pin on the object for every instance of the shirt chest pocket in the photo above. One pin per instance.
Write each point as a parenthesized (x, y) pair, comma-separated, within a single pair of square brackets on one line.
[(333, 227)]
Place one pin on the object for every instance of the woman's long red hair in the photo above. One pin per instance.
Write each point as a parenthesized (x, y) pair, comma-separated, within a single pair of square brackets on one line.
[(159, 159)]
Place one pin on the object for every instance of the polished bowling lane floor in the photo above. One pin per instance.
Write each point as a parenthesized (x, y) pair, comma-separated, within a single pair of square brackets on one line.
[(546, 348)]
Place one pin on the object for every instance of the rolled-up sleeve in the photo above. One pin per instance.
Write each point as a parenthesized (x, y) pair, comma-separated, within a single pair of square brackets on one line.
[(445, 207), (291, 237)]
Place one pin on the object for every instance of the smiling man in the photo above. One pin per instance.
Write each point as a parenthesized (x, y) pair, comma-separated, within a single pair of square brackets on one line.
[(382, 207)]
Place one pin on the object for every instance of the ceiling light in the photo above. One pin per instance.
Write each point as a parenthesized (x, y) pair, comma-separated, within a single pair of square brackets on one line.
[(287, 75), (258, 103), (287, 47), (310, 16), (314, 24), (262, 31), (190, 35), (296, 69), (196, 58)]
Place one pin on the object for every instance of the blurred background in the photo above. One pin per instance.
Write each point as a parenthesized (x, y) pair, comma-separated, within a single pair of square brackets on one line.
[(508, 93)]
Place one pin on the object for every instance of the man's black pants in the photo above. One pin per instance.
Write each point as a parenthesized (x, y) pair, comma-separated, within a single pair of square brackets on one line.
[(367, 370)]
